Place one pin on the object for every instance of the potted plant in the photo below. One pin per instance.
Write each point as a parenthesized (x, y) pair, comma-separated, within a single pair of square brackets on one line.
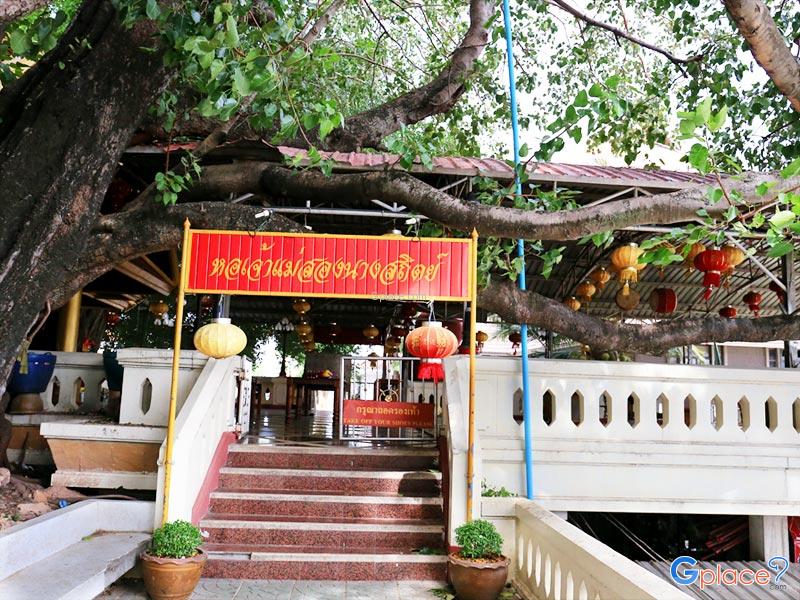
[(173, 563), (479, 570), (28, 380)]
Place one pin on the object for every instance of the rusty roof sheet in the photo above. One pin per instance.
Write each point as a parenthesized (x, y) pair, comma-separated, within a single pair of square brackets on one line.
[(501, 169)]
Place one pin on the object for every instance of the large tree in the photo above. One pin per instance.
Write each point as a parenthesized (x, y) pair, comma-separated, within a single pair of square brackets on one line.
[(80, 78)]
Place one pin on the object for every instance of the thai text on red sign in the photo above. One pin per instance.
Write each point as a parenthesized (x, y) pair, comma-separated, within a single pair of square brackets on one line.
[(373, 413), (238, 262)]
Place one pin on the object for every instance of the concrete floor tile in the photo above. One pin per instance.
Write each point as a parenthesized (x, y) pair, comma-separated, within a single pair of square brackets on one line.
[(371, 590), (265, 590), (216, 589), (318, 590), (417, 590)]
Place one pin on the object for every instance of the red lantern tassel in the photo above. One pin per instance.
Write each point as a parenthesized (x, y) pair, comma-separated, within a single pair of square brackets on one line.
[(430, 369), (711, 280)]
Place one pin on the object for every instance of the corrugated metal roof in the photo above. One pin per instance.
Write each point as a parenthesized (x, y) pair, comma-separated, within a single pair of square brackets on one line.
[(464, 166), (787, 589), (500, 169)]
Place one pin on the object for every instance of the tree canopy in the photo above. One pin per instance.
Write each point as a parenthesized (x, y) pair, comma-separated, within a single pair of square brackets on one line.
[(721, 80)]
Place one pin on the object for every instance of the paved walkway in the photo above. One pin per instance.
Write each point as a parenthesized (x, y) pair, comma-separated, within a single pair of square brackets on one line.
[(237, 589)]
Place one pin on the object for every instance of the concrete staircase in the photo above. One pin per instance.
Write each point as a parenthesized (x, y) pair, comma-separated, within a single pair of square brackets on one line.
[(326, 513)]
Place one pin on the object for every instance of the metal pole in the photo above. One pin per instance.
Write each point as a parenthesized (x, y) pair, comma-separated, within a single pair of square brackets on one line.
[(789, 302), (473, 301), (526, 399), (176, 358)]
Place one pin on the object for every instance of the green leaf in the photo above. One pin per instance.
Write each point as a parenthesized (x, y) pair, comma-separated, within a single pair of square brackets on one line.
[(612, 82), (582, 99), (523, 151), (20, 43), (703, 111), (763, 187), (782, 218), (596, 91), (231, 32), (792, 169), (240, 84), (782, 248), (152, 10), (698, 157), (717, 120), (715, 194)]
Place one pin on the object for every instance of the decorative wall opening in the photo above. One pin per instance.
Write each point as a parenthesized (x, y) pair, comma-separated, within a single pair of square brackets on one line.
[(633, 410), (55, 392), (548, 407), (662, 410), (518, 410), (743, 410), (690, 411), (605, 409), (771, 414), (147, 395), (717, 416), (576, 407), (79, 391)]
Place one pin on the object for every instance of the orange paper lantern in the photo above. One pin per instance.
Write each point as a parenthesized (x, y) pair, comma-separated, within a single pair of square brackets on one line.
[(600, 277), (626, 262), (431, 342), (573, 303)]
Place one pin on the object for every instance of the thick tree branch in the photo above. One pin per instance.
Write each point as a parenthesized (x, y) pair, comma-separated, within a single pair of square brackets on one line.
[(321, 23), (501, 221), (14, 9), (621, 33), (768, 46), (369, 128), (516, 306)]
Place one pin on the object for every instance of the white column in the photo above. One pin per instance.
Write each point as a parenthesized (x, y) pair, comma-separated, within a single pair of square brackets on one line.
[(769, 536)]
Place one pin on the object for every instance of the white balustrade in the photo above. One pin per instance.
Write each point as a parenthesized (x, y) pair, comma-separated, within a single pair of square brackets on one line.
[(77, 383), (207, 414), (554, 560), (147, 380), (632, 437)]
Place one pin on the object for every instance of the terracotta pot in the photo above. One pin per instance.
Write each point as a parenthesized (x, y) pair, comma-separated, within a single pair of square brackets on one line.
[(171, 578), (477, 580)]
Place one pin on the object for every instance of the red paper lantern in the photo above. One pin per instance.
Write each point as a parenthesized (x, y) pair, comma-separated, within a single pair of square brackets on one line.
[(712, 263), (431, 342), (753, 301), (663, 300), (112, 318), (778, 290), (728, 312)]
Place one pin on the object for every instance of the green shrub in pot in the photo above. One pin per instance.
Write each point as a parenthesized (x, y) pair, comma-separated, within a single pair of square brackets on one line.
[(478, 571), (174, 562)]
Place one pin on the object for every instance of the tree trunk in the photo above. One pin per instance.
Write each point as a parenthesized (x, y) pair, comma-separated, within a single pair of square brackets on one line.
[(63, 128)]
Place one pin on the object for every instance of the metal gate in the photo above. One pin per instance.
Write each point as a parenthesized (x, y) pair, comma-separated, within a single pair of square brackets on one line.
[(389, 383)]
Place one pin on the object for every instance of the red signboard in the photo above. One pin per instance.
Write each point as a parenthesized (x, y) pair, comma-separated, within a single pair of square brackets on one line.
[(373, 413), (239, 262)]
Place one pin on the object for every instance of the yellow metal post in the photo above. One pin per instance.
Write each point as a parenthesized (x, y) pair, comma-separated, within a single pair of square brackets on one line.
[(473, 303), (176, 357), (68, 322)]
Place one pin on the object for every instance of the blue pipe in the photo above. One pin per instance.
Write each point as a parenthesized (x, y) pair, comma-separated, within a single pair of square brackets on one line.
[(526, 396)]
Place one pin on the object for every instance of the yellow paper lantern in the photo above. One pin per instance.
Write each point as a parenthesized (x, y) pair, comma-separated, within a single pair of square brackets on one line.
[(220, 339), (301, 306), (626, 262), (371, 332), (303, 329), (688, 260), (734, 256), (600, 277), (586, 290), (573, 303), (481, 336), (159, 308)]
